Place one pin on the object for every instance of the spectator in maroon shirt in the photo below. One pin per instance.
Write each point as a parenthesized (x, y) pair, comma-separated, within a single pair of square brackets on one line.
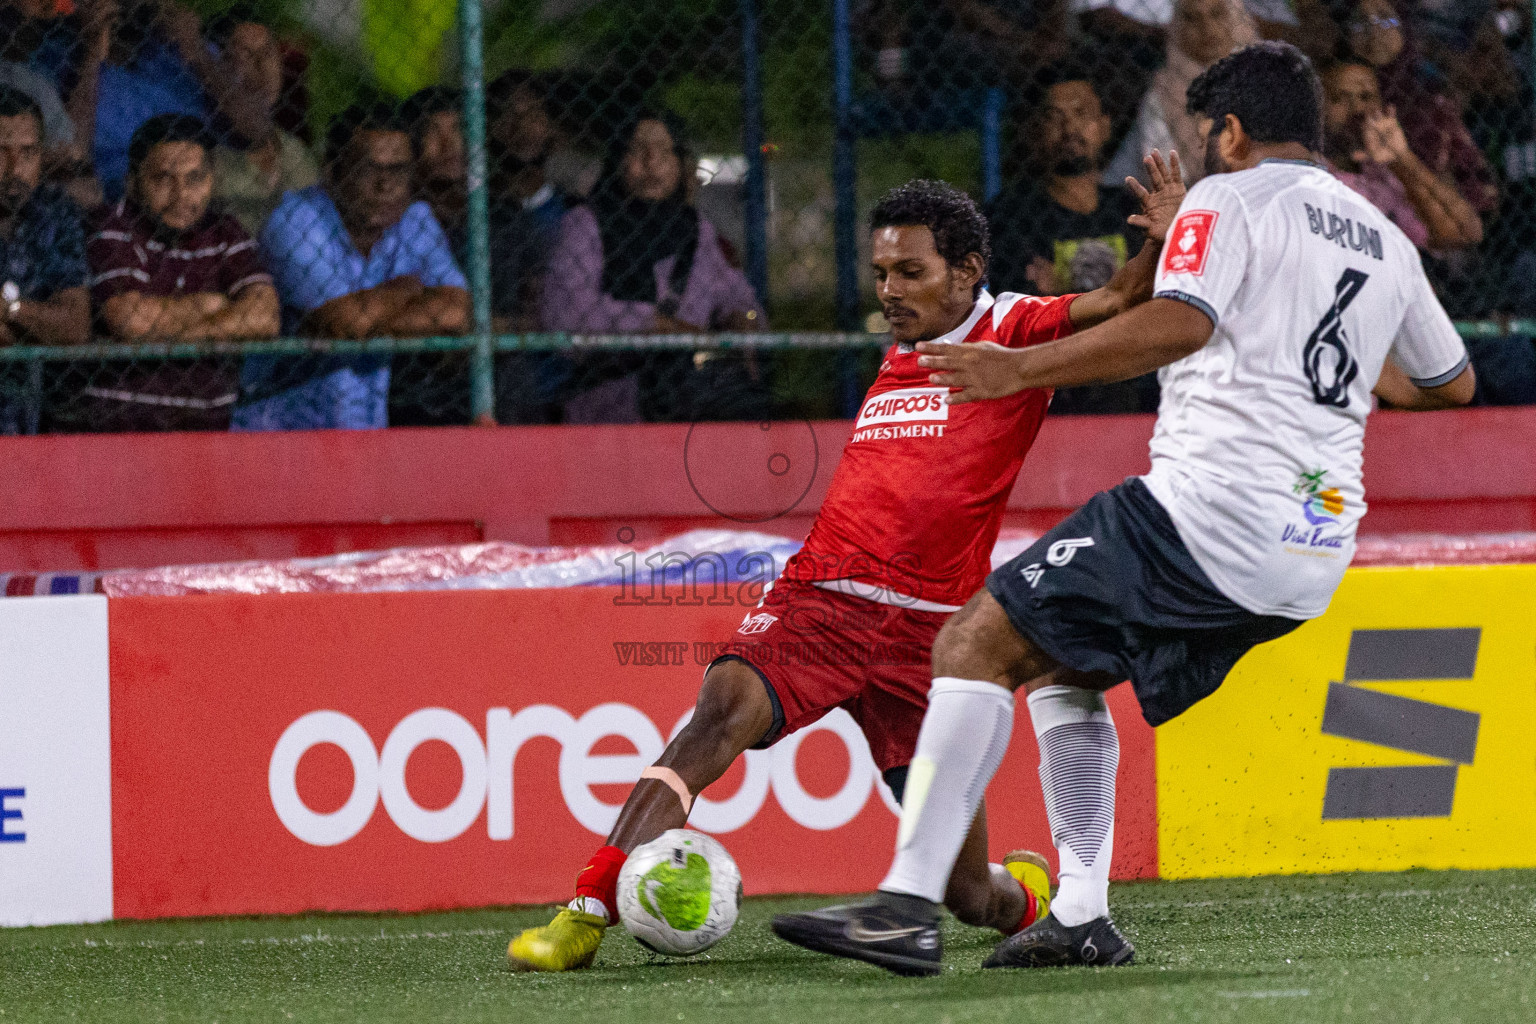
[(164, 266), (1369, 151), (1377, 34)]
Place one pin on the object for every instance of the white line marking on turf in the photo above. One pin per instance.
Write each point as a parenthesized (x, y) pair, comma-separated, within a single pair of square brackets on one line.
[(292, 940), (1273, 993), (1310, 897)]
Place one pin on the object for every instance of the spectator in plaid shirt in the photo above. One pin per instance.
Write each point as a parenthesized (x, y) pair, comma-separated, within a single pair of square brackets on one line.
[(165, 266)]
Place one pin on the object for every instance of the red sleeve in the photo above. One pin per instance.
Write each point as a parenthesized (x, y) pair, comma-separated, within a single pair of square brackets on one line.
[(1034, 319)]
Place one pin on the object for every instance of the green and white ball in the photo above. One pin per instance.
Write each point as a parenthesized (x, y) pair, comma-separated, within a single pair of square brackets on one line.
[(680, 893)]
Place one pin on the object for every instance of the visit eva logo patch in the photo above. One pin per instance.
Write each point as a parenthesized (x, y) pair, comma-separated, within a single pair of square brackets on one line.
[(1188, 243)]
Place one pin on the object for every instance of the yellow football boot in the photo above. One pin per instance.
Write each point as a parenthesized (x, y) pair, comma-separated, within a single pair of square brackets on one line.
[(568, 943), (1034, 874)]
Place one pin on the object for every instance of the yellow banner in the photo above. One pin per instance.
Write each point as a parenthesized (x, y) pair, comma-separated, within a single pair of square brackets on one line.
[(1397, 731)]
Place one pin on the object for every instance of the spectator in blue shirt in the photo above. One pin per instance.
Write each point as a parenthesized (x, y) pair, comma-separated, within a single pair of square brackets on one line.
[(355, 258), (153, 59)]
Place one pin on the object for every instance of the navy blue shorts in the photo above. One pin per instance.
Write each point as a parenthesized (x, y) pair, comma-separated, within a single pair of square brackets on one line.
[(1113, 589)]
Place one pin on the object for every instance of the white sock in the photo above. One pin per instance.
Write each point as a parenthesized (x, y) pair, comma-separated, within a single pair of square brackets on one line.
[(963, 739), (1079, 753)]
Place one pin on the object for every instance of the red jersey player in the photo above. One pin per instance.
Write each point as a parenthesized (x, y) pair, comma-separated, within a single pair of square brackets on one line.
[(903, 538)]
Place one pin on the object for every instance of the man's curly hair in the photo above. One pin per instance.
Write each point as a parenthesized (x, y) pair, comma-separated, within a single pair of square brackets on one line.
[(958, 226)]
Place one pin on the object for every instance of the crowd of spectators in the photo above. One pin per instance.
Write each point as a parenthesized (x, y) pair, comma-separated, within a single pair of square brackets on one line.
[(160, 180), (156, 185), (1430, 116)]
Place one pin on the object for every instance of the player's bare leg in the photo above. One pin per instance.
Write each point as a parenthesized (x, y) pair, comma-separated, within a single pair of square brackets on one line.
[(732, 713), (1008, 897)]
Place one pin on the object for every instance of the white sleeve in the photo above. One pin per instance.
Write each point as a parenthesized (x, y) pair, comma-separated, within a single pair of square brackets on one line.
[(1427, 347), (1208, 250)]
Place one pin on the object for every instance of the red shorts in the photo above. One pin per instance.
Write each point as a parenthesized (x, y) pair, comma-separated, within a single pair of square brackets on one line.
[(818, 649)]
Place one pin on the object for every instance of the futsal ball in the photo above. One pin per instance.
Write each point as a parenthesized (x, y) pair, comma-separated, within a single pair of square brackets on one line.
[(679, 893)]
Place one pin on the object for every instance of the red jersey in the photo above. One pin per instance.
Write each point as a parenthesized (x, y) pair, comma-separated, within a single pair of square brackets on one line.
[(918, 498)]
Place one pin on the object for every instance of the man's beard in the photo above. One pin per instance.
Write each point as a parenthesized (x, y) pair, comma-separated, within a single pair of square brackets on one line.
[(1214, 164), (512, 164), (13, 196), (1341, 144), (1072, 166)]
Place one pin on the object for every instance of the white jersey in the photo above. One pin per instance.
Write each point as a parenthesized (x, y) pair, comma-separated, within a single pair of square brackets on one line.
[(1257, 452)]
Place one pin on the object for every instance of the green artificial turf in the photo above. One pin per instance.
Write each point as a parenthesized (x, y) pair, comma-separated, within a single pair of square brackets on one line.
[(1391, 948)]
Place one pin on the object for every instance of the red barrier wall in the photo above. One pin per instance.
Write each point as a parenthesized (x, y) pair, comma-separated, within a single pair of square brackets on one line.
[(95, 502), (195, 828)]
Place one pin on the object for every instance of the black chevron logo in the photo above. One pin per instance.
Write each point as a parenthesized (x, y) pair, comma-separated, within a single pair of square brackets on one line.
[(1448, 734)]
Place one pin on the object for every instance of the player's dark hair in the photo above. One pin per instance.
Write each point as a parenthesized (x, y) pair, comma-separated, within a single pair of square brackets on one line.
[(375, 116), (1270, 87), (14, 103), (163, 128), (958, 226)]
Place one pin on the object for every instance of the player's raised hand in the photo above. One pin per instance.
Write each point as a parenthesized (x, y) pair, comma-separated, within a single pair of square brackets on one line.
[(980, 370), (1159, 204)]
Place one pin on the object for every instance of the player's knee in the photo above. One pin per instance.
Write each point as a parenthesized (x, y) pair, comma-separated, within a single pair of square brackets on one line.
[(733, 707), (979, 642), (964, 646)]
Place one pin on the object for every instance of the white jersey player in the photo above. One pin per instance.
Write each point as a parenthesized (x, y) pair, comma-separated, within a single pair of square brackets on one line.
[(1283, 299)]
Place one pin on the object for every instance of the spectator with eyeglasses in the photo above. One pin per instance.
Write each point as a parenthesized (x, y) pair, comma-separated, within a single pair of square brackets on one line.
[(1368, 150), (355, 257), (1377, 34)]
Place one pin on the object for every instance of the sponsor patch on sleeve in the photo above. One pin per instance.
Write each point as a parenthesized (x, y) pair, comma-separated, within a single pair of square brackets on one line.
[(1189, 242)]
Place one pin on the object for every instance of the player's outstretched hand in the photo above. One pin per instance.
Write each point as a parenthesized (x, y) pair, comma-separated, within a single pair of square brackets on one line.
[(1160, 204), (980, 370)]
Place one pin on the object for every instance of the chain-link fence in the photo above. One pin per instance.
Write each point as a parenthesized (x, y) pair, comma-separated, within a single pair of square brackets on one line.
[(583, 211)]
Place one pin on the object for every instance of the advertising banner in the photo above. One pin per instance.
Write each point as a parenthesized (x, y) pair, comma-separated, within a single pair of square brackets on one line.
[(1394, 732), (55, 795), (402, 751)]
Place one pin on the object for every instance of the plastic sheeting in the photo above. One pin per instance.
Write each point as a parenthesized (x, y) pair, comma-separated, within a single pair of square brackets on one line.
[(708, 556), (1442, 549)]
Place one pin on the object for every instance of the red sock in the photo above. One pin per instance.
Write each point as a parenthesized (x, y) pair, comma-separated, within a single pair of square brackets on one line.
[(1031, 908), (599, 880)]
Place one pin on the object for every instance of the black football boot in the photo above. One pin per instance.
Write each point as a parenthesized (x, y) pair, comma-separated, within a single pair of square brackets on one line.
[(890, 930), (1049, 943)]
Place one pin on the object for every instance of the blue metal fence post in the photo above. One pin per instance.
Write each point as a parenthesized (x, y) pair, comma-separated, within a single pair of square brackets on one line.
[(756, 212), (844, 189), (992, 145), (482, 367)]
